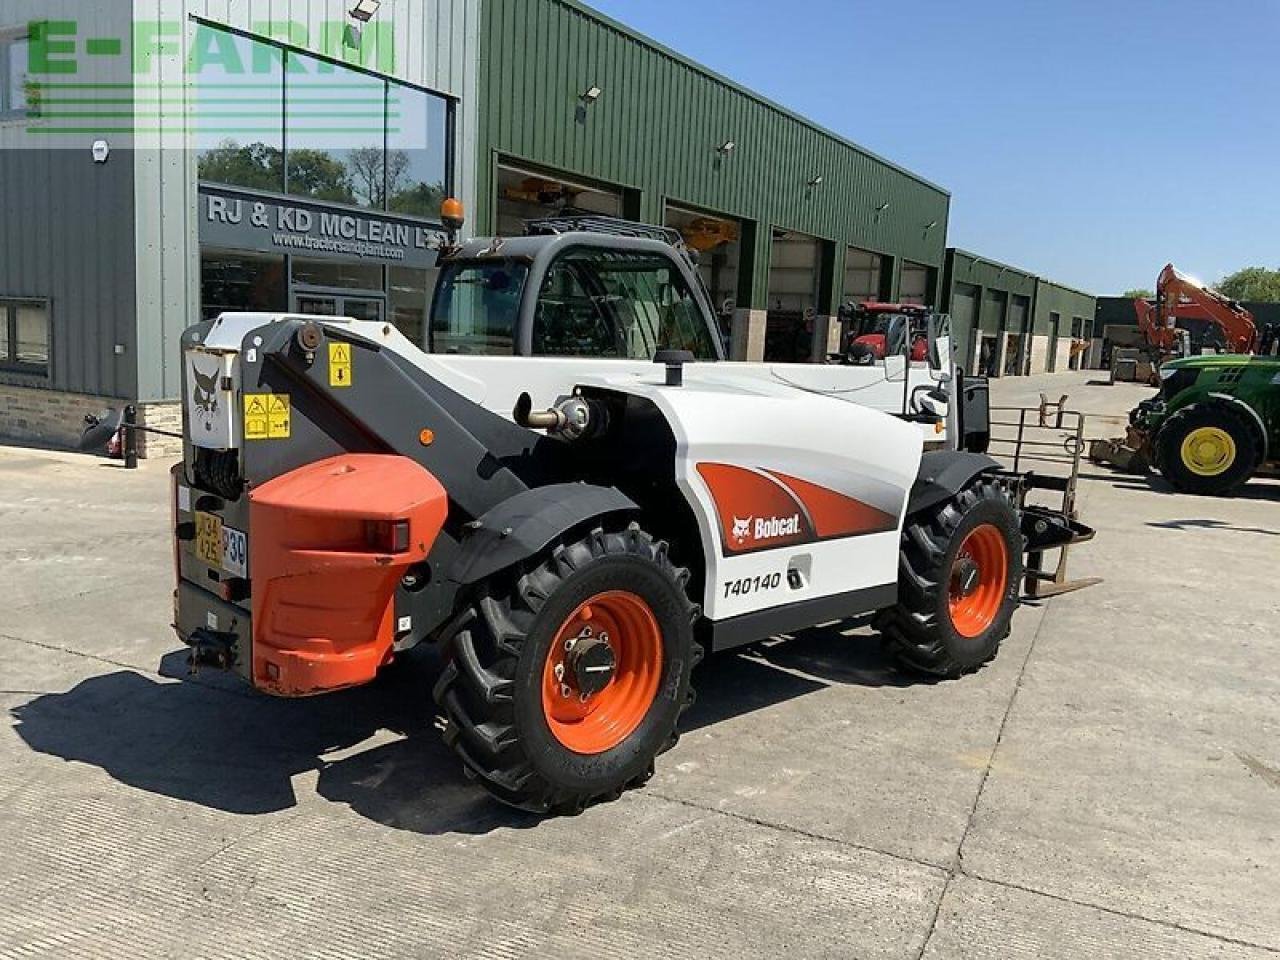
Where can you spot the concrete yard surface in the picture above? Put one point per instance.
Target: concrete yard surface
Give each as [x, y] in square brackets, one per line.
[1109, 787]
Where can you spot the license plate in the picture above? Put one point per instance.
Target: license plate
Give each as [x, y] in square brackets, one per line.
[221, 546]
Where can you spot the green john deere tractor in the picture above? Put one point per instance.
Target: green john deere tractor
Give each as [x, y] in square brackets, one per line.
[1214, 424]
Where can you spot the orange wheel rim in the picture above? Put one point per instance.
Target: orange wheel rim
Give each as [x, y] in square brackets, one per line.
[979, 576]
[602, 672]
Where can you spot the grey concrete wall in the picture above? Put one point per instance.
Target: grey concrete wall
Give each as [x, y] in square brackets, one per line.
[66, 223]
[1039, 354]
[66, 236]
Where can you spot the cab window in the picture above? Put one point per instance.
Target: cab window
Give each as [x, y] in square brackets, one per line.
[476, 307]
[601, 303]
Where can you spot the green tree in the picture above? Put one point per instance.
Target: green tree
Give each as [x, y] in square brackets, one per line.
[419, 200]
[256, 165]
[1252, 283]
[1138, 293]
[317, 174]
[374, 173]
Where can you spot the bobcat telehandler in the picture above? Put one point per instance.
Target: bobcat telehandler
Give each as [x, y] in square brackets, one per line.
[575, 496]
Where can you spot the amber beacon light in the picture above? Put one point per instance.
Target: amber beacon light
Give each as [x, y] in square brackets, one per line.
[452, 214]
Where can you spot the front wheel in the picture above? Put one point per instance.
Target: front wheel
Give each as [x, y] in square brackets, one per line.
[565, 683]
[960, 573]
[1209, 449]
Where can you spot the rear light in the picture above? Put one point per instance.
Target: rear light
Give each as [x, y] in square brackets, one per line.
[387, 536]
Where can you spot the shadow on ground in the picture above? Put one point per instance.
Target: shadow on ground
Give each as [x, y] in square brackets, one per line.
[1191, 525]
[212, 741]
[1258, 489]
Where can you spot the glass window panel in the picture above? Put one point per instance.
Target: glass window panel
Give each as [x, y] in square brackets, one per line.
[32, 345]
[5, 355]
[335, 122]
[359, 308]
[231, 282]
[239, 110]
[476, 308]
[417, 151]
[408, 294]
[17, 79]
[337, 274]
[597, 303]
[569, 321]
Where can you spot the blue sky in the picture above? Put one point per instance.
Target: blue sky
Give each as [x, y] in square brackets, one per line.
[1088, 141]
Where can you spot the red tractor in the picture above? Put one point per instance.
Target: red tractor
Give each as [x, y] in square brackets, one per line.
[873, 331]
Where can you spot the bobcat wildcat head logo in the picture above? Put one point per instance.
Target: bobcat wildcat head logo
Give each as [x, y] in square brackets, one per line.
[741, 530]
[204, 395]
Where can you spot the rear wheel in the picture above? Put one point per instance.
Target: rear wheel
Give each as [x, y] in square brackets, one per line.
[961, 570]
[563, 685]
[1209, 448]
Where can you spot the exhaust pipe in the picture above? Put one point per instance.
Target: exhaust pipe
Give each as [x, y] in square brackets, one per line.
[574, 419]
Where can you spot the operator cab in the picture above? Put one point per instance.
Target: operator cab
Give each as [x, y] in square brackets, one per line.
[568, 291]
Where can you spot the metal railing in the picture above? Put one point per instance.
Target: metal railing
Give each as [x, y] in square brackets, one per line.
[1042, 447]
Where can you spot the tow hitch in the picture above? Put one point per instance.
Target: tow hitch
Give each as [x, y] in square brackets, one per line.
[211, 649]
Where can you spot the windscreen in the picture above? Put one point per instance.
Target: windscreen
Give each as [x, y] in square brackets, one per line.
[476, 308]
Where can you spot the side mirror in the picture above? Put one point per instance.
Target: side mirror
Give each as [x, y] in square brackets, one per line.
[895, 367]
[100, 428]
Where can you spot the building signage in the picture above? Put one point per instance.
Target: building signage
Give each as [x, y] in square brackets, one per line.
[240, 221]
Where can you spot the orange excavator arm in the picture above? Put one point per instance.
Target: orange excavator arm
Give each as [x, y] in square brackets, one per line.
[1177, 295]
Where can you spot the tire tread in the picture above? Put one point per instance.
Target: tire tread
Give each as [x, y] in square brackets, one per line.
[474, 691]
[911, 630]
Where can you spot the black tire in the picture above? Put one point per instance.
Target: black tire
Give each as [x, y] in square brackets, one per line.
[1235, 423]
[920, 631]
[491, 687]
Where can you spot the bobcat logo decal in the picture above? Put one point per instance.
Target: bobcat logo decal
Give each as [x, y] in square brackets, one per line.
[204, 395]
[741, 530]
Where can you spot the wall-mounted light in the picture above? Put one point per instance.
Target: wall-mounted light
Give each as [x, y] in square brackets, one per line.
[591, 95]
[365, 10]
[930, 225]
[817, 181]
[882, 208]
[726, 148]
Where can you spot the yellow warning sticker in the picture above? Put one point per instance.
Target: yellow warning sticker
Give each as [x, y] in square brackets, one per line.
[279, 416]
[339, 365]
[256, 419]
[267, 416]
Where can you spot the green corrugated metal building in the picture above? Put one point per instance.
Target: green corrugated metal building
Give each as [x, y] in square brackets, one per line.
[579, 112]
[1009, 322]
[991, 306]
[1063, 316]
